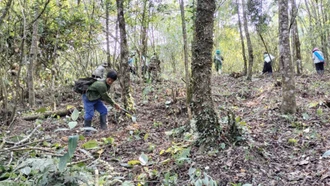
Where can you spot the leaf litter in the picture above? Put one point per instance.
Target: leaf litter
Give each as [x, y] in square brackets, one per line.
[278, 149]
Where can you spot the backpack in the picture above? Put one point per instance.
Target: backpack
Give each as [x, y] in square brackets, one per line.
[319, 56]
[82, 84]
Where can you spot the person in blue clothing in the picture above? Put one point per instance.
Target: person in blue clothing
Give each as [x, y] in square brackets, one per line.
[318, 59]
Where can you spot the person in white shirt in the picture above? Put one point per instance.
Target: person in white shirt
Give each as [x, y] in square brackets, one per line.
[318, 59]
[268, 58]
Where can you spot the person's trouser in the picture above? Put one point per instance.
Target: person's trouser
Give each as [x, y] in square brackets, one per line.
[91, 106]
[319, 68]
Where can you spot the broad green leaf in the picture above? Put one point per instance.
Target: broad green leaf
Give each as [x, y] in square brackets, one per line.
[42, 110]
[313, 104]
[133, 119]
[319, 111]
[91, 144]
[326, 154]
[26, 170]
[72, 124]
[63, 160]
[199, 182]
[133, 162]
[69, 106]
[143, 159]
[168, 133]
[222, 146]
[127, 183]
[305, 116]
[75, 114]
[73, 141]
[108, 140]
[145, 137]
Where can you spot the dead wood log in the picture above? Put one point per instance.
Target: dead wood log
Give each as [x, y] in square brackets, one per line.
[53, 114]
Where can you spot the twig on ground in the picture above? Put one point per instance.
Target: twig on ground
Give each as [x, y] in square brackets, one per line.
[33, 148]
[96, 177]
[11, 158]
[77, 162]
[25, 139]
[15, 147]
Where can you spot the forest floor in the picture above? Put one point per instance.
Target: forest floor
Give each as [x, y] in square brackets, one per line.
[274, 149]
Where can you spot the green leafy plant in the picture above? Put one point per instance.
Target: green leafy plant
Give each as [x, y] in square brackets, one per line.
[170, 179]
[199, 178]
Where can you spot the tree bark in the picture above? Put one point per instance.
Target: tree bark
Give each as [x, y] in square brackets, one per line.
[288, 91]
[249, 44]
[144, 39]
[202, 103]
[125, 73]
[56, 113]
[295, 38]
[242, 39]
[186, 63]
[107, 9]
[33, 60]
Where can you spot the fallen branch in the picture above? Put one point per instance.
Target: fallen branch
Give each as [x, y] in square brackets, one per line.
[25, 139]
[56, 113]
[34, 148]
[77, 162]
[15, 147]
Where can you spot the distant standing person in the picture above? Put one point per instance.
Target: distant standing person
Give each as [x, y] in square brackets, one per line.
[218, 59]
[268, 58]
[100, 71]
[318, 59]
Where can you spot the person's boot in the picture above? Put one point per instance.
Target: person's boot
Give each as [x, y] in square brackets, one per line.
[87, 123]
[103, 122]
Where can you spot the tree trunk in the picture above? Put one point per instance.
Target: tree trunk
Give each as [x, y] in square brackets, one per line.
[125, 73]
[311, 30]
[288, 91]
[107, 9]
[115, 47]
[249, 44]
[242, 39]
[322, 24]
[295, 38]
[144, 28]
[202, 103]
[33, 60]
[186, 63]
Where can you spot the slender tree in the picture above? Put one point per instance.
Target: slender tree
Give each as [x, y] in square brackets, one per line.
[107, 9]
[33, 58]
[242, 38]
[144, 36]
[249, 44]
[185, 52]
[288, 91]
[295, 37]
[125, 74]
[202, 103]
